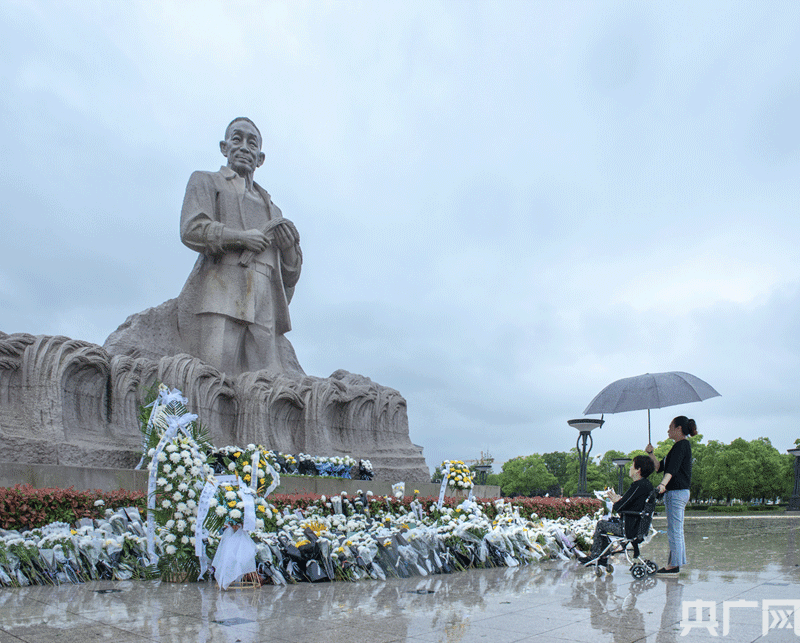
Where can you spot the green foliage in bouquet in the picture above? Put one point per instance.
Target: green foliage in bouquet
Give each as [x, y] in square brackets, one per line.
[152, 431]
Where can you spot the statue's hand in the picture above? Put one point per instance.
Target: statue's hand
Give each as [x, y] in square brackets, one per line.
[286, 235]
[254, 240]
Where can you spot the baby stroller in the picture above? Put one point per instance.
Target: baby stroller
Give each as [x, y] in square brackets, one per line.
[629, 543]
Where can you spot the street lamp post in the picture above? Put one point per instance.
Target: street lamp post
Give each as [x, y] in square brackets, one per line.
[621, 463]
[794, 501]
[584, 446]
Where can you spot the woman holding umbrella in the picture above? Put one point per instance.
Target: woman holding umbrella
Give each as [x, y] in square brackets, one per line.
[677, 468]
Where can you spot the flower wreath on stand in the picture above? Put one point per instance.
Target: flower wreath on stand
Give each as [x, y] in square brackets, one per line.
[227, 506]
[459, 475]
[234, 505]
[245, 464]
[176, 460]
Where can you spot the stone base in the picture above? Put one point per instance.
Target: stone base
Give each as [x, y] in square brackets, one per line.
[43, 476]
[69, 402]
[106, 479]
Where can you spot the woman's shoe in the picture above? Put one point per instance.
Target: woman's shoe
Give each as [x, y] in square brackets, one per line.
[664, 570]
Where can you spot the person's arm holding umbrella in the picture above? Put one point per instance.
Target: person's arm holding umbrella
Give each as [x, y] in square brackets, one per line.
[658, 464]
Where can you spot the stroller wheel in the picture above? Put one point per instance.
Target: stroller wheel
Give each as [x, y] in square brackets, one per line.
[652, 568]
[598, 571]
[610, 568]
[638, 571]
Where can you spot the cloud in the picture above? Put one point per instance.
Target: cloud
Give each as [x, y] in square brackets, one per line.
[502, 208]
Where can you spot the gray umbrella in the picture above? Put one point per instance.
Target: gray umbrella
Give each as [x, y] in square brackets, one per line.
[650, 391]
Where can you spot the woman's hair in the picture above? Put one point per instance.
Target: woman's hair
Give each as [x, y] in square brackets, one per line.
[644, 464]
[688, 426]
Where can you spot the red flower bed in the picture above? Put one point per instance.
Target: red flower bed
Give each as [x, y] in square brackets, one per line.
[552, 508]
[572, 508]
[23, 507]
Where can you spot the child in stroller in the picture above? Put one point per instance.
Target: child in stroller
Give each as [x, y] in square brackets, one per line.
[635, 509]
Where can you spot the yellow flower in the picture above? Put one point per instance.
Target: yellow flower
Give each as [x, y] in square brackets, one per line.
[302, 542]
[237, 454]
[247, 477]
[316, 527]
[232, 503]
[262, 508]
[73, 531]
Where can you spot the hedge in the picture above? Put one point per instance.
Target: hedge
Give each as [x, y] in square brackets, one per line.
[24, 507]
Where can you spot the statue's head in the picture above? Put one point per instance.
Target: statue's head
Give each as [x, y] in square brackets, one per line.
[242, 146]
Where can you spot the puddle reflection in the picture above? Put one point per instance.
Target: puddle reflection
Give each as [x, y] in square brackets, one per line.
[622, 610]
[615, 606]
[737, 544]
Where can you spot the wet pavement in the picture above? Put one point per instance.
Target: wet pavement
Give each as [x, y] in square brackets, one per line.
[742, 571]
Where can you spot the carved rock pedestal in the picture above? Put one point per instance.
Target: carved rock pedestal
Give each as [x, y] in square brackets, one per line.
[70, 402]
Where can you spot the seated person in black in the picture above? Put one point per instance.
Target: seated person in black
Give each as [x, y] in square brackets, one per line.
[633, 500]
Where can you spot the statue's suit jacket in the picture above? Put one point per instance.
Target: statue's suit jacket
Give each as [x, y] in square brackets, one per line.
[218, 284]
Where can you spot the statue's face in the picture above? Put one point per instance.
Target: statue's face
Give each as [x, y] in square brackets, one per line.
[242, 148]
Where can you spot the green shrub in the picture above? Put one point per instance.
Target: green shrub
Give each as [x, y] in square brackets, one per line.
[735, 509]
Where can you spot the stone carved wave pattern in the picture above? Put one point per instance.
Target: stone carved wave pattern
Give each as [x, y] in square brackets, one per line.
[69, 402]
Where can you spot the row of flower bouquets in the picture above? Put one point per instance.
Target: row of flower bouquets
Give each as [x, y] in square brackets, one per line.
[307, 466]
[116, 549]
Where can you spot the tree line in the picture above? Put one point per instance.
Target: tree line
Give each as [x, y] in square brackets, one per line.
[753, 471]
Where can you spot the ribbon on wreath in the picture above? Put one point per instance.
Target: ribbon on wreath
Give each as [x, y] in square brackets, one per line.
[268, 469]
[203, 505]
[165, 396]
[445, 478]
[276, 479]
[248, 497]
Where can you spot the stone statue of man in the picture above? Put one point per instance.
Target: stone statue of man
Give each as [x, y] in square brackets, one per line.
[234, 309]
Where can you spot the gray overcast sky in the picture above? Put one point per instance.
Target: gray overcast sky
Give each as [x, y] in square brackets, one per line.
[503, 206]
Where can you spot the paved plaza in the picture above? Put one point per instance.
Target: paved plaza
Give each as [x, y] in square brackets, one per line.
[744, 575]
